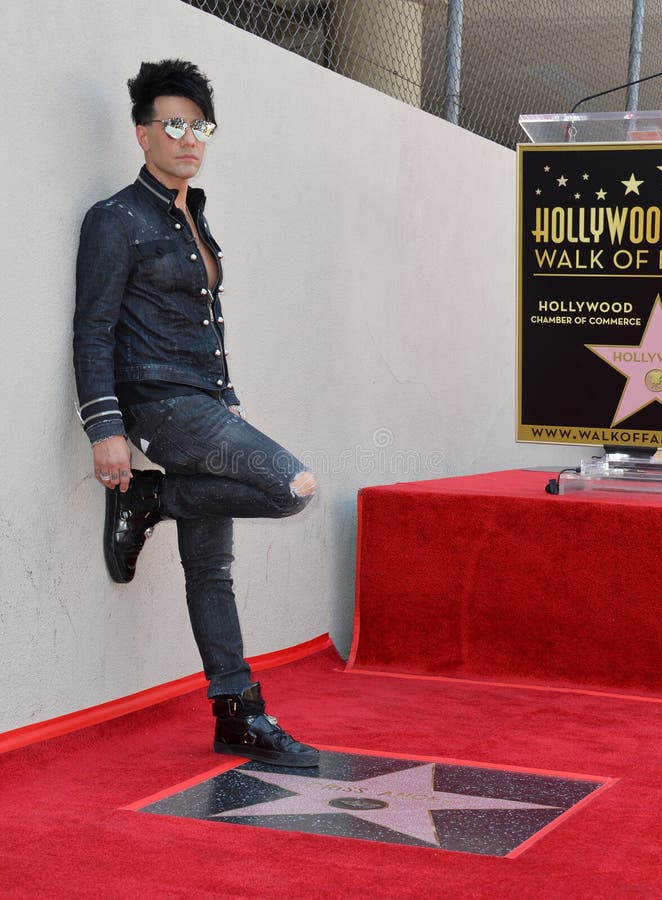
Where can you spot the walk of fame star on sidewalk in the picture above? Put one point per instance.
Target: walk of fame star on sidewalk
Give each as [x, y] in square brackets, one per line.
[394, 800]
[401, 803]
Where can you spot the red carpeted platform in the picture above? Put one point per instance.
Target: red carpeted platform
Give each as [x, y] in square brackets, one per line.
[488, 576]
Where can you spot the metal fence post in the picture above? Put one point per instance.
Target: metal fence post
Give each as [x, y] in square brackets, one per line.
[453, 61]
[634, 61]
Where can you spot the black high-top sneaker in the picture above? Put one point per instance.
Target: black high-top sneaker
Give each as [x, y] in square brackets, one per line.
[243, 729]
[129, 520]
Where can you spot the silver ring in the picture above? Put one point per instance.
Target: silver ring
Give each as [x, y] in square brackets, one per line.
[105, 476]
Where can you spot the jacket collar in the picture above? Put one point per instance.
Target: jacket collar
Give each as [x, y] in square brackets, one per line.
[165, 196]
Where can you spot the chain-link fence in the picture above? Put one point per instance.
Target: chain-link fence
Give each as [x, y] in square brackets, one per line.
[479, 63]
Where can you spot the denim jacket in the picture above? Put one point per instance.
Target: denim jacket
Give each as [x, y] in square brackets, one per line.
[143, 308]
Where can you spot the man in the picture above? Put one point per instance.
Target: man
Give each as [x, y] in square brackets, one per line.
[150, 361]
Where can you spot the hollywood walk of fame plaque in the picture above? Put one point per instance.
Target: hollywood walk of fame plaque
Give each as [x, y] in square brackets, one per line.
[590, 294]
[413, 802]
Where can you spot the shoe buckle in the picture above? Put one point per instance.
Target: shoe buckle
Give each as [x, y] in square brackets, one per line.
[249, 738]
[148, 532]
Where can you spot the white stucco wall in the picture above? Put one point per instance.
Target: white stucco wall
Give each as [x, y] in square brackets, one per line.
[370, 297]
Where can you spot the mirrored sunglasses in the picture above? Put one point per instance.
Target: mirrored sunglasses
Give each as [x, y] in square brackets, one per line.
[176, 128]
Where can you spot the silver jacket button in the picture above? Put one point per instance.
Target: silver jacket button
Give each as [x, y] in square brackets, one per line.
[177, 226]
[204, 292]
[193, 257]
[220, 254]
[217, 352]
[220, 319]
[220, 290]
[220, 382]
[230, 385]
[205, 321]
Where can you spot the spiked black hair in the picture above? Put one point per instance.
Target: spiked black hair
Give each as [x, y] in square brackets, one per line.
[169, 78]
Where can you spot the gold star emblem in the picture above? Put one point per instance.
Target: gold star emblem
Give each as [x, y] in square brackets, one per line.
[538, 192]
[562, 181]
[632, 185]
[546, 169]
[601, 194]
[578, 196]
[585, 176]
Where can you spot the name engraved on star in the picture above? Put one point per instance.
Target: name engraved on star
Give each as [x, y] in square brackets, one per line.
[342, 787]
[401, 795]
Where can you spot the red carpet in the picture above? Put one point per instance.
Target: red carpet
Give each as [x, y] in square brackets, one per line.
[488, 576]
[64, 833]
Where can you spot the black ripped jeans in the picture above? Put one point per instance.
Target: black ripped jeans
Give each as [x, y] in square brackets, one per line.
[218, 467]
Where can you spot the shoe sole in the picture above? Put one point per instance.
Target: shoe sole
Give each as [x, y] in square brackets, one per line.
[114, 569]
[298, 760]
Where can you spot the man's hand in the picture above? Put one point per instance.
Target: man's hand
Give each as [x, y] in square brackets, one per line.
[112, 462]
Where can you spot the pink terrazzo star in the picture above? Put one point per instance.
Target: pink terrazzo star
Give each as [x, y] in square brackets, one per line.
[401, 801]
[641, 365]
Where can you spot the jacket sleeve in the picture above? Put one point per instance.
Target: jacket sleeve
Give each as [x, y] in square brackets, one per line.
[102, 270]
[230, 397]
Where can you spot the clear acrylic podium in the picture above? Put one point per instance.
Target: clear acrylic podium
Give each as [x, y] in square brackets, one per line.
[635, 472]
[591, 128]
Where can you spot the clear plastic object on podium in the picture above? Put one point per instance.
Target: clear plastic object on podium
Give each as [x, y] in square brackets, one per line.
[585, 128]
[614, 472]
